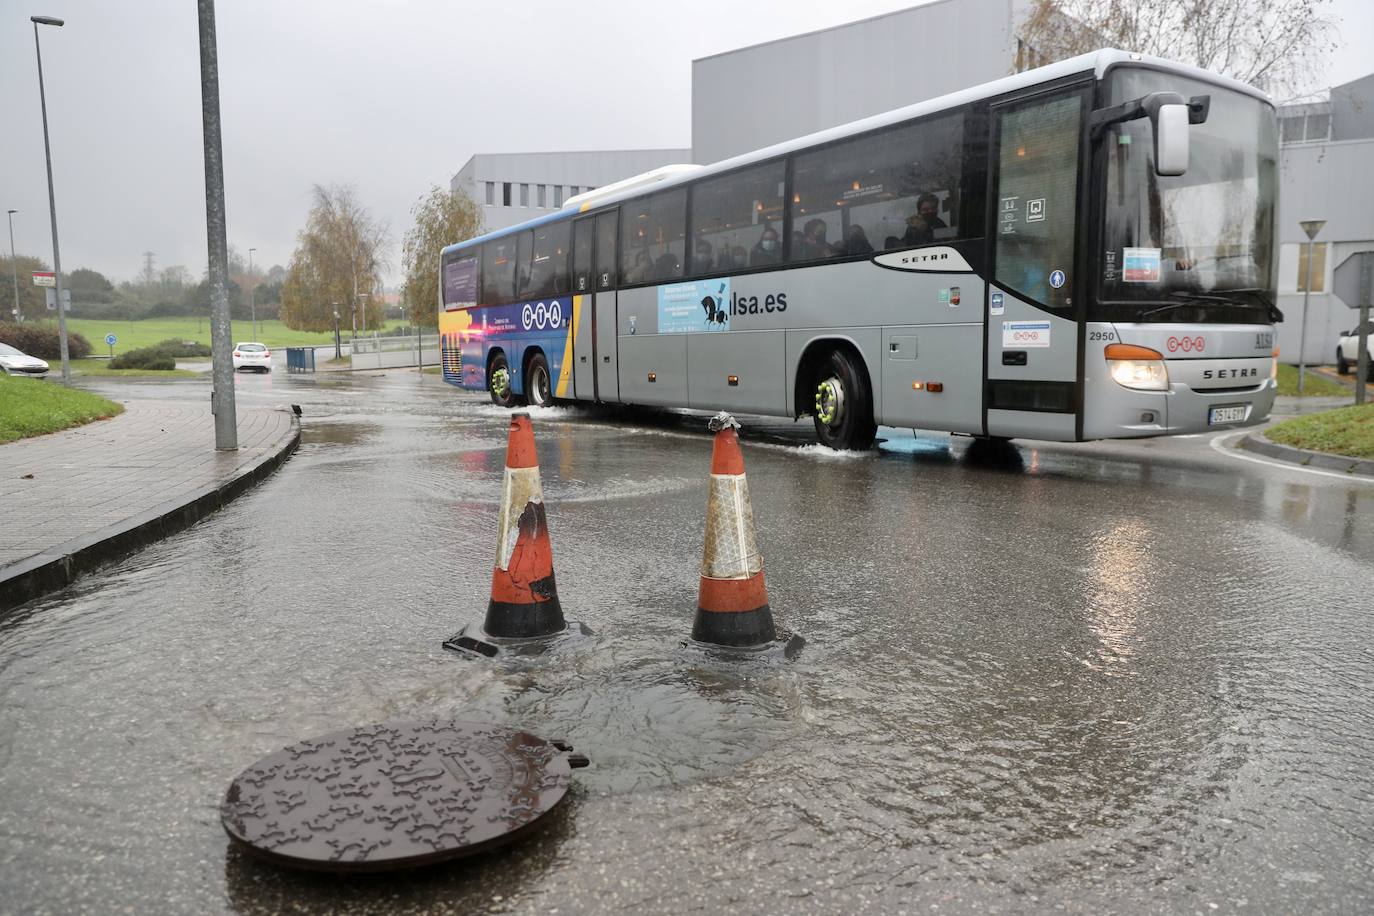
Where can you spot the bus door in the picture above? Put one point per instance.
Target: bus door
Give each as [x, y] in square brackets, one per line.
[1035, 298]
[584, 341]
[606, 354]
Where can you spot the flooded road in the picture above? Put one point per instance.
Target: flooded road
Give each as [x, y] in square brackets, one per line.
[1109, 677]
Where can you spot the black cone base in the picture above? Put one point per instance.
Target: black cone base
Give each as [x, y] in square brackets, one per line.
[475, 642]
[785, 646]
[525, 621]
[736, 629]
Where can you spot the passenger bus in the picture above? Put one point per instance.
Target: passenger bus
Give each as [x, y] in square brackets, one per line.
[1082, 251]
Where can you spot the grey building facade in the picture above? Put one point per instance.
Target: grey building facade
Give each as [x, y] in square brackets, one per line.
[752, 97]
[1326, 172]
[514, 187]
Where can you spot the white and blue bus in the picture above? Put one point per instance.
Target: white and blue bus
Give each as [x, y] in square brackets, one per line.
[1082, 251]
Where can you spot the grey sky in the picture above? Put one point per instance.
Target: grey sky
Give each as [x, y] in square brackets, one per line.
[390, 96]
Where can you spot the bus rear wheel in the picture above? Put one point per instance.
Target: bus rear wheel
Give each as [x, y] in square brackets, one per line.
[537, 382]
[843, 405]
[498, 382]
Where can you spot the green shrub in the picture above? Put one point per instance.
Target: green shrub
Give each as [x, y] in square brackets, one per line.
[181, 348]
[144, 358]
[41, 340]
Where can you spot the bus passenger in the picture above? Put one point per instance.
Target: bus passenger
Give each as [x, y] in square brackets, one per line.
[921, 225]
[639, 267]
[767, 250]
[814, 244]
[856, 241]
[701, 259]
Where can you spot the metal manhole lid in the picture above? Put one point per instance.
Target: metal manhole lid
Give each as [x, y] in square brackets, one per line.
[396, 795]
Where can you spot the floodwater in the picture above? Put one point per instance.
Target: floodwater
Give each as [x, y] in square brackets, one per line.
[1115, 677]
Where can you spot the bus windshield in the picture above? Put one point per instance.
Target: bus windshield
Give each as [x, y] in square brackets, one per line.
[1199, 246]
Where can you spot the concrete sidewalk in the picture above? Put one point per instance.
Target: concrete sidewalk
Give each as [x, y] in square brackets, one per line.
[75, 499]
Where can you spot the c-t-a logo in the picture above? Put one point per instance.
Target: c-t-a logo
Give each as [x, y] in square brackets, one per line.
[542, 316]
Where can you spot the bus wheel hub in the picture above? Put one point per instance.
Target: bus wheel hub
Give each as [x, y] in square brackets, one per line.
[500, 382]
[829, 401]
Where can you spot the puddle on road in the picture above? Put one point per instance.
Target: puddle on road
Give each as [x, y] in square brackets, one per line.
[1020, 690]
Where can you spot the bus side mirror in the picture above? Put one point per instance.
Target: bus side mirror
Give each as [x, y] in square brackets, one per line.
[1169, 116]
[1171, 140]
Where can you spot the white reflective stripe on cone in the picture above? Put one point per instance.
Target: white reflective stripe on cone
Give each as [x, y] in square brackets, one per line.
[519, 488]
[731, 551]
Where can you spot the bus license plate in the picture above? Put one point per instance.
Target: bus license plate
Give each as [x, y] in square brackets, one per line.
[1225, 415]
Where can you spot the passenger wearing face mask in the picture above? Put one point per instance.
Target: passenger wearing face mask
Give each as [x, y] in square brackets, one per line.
[767, 250]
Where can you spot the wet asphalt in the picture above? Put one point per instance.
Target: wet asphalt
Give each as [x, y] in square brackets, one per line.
[1113, 677]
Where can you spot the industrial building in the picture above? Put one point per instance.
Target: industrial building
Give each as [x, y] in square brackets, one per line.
[1327, 149]
[514, 187]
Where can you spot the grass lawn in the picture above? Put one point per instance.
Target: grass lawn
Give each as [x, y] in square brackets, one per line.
[1345, 431]
[1315, 386]
[32, 407]
[101, 367]
[149, 331]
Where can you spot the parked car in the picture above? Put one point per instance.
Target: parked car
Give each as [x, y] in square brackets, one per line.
[251, 355]
[17, 362]
[1348, 350]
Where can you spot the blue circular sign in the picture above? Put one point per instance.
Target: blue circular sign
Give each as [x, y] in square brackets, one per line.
[111, 339]
[1056, 278]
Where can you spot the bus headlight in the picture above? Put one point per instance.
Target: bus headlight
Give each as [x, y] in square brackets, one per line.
[1137, 367]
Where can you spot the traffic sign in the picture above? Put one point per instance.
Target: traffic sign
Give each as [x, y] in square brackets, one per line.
[1353, 280]
[111, 339]
[44, 278]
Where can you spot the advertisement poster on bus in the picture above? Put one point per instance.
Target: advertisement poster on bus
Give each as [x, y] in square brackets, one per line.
[693, 307]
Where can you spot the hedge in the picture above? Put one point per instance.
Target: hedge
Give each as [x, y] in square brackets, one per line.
[41, 340]
[144, 358]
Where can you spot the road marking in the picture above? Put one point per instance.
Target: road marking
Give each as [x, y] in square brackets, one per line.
[1216, 443]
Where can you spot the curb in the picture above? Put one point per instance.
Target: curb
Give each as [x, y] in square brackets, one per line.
[62, 564]
[1363, 467]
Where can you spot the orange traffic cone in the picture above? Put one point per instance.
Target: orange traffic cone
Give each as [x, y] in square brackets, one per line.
[732, 604]
[524, 611]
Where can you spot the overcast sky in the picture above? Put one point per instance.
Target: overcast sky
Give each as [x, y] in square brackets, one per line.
[390, 96]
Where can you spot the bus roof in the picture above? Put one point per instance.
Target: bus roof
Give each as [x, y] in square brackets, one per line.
[1098, 62]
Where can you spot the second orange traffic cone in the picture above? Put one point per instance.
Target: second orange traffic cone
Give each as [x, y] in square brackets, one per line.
[524, 611]
[732, 603]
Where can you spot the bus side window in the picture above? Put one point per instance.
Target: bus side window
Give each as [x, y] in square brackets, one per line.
[582, 256]
[498, 271]
[897, 188]
[653, 238]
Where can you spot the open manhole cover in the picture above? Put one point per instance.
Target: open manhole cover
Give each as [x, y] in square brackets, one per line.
[396, 795]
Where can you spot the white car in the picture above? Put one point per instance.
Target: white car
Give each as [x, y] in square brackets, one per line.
[17, 362]
[252, 356]
[1348, 350]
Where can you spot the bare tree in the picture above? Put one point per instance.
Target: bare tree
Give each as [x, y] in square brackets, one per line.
[337, 262]
[1277, 45]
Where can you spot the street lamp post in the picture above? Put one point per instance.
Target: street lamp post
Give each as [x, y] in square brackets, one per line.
[52, 198]
[1311, 227]
[252, 285]
[338, 351]
[14, 264]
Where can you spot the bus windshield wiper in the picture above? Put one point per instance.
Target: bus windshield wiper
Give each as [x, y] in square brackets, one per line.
[1190, 298]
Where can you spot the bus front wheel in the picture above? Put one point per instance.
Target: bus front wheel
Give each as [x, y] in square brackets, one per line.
[843, 405]
[498, 382]
[537, 382]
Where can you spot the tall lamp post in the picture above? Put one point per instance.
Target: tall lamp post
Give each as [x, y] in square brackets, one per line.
[1311, 227]
[338, 352]
[14, 264]
[252, 285]
[52, 198]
